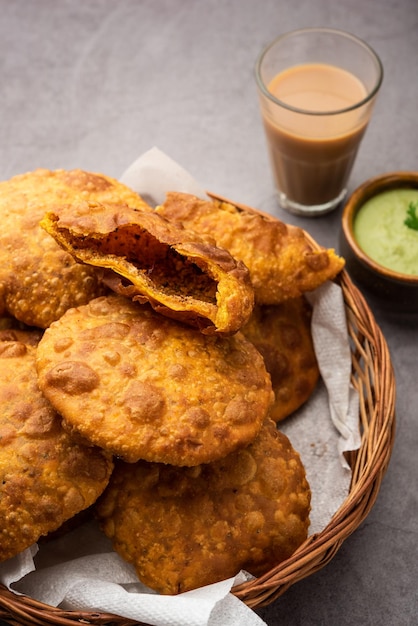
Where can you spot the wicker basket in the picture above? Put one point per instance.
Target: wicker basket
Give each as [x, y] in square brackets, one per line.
[373, 377]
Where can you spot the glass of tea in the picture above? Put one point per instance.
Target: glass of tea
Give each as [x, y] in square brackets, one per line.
[317, 88]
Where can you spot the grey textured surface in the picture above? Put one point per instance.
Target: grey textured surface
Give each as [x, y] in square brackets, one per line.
[94, 84]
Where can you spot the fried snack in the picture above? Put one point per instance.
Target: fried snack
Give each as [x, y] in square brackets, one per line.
[184, 528]
[38, 279]
[144, 386]
[282, 334]
[45, 477]
[152, 260]
[31, 336]
[282, 262]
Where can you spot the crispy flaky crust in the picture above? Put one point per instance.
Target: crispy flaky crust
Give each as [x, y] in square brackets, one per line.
[282, 262]
[150, 259]
[282, 334]
[184, 528]
[38, 279]
[45, 477]
[144, 386]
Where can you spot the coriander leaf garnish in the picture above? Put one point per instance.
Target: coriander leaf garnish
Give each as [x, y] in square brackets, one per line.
[412, 218]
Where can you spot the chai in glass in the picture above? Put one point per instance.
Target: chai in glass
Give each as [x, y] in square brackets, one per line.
[315, 114]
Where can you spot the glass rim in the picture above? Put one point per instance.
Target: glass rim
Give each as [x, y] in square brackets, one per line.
[332, 31]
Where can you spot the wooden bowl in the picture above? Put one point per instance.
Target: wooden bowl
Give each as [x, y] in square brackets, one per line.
[396, 290]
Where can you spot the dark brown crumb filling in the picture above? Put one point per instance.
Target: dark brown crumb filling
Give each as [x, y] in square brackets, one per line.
[169, 271]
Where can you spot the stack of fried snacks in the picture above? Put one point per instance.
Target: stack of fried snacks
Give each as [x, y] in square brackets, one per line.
[164, 347]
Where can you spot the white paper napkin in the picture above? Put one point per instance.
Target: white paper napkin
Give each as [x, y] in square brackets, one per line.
[154, 173]
[330, 337]
[98, 580]
[104, 582]
[16, 568]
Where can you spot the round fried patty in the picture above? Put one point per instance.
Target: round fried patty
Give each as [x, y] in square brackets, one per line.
[282, 334]
[45, 477]
[183, 528]
[144, 386]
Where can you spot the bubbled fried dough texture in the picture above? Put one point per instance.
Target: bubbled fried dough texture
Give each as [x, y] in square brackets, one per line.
[282, 335]
[45, 477]
[281, 261]
[144, 386]
[184, 528]
[38, 279]
[150, 259]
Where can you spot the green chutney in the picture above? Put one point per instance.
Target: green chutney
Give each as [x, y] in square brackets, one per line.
[381, 233]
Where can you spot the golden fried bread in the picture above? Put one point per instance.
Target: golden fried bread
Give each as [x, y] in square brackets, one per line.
[282, 334]
[38, 279]
[144, 386]
[45, 477]
[282, 262]
[183, 528]
[31, 336]
[152, 260]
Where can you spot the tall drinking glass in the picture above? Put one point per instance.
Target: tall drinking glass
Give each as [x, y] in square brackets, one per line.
[317, 88]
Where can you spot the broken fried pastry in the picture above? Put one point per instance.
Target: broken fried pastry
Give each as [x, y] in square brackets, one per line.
[152, 260]
[38, 279]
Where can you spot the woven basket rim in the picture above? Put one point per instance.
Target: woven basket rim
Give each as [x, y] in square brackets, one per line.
[373, 377]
